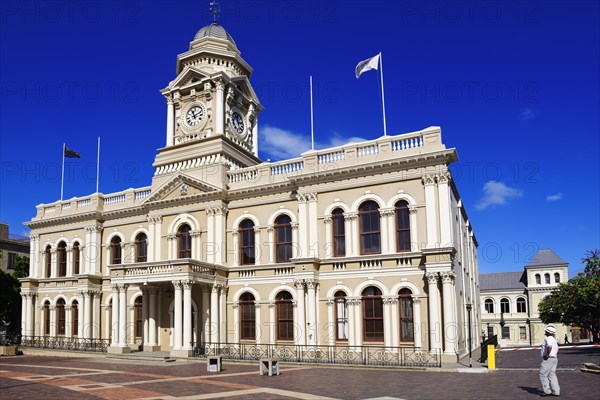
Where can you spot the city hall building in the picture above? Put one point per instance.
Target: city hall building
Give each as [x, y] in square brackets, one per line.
[359, 247]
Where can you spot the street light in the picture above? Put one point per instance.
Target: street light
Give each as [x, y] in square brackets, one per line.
[470, 347]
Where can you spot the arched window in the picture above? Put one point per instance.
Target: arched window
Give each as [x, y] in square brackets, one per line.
[402, 226]
[247, 243]
[341, 315]
[141, 247]
[339, 232]
[74, 318]
[115, 250]
[184, 241]
[285, 316]
[547, 278]
[538, 279]
[47, 318]
[521, 305]
[48, 260]
[283, 238]
[76, 258]
[248, 312]
[372, 314]
[370, 235]
[139, 321]
[61, 257]
[60, 317]
[407, 333]
[504, 305]
[556, 277]
[489, 306]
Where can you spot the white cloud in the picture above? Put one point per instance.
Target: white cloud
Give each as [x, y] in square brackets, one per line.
[527, 114]
[496, 193]
[280, 144]
[555, 197]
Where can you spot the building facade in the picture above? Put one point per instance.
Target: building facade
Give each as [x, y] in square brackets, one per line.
[509, 300]
[366, 244]
[11, 247]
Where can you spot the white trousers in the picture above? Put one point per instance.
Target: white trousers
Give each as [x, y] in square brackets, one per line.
[548, 376]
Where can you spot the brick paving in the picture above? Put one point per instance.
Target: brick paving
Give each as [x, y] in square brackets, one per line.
[37, 377]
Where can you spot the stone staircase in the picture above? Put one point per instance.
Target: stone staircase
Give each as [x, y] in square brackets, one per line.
[160, 356]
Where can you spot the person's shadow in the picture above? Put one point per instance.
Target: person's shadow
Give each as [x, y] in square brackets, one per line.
[532, 390]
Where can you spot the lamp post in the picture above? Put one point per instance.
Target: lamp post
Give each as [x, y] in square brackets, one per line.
[470, 347]
[528, 321]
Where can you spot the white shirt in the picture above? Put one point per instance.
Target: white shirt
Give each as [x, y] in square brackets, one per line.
[549, 341]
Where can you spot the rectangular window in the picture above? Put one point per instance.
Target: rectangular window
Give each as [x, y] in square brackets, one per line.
[342, 319]
[522, 333]
[339, 235]
[12, 260]
[505, 332]
[490, 331]
[373, 319]
[285, 320]
[248, 320]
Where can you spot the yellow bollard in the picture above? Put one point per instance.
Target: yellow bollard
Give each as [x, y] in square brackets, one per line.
[491, 357]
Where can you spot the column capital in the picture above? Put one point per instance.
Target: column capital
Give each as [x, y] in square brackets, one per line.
[95, 228]
[270, 228]
[299, 284]
[235, 232]
[330, 301]
[432, 277]
[294, 225]
[428, 179]
[416, 300]
[153, 218]
[412, 209]
[271, 304]
[327, 219]
[123, 287]
[351, 216]
[115, 287]
[311, 283]
[444, 177]
[235, 305]
[384, 212]
[177, 285]
[448, 277]
[301, 197]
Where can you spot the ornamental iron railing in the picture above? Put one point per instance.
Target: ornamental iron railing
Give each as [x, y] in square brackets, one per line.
[65, 343]
[341, 355]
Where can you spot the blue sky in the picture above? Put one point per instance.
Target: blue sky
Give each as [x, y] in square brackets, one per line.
[514, 86]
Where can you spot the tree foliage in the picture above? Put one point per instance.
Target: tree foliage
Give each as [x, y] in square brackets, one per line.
[10, 297]
[577, 301]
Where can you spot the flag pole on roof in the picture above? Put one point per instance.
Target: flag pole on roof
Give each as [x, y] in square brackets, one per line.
[312, 130]
[375, 62]
[68, 153]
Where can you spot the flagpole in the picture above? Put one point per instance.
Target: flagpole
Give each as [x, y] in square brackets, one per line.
[62, 174]
[382, 95]
[312, 130]
[98, 166]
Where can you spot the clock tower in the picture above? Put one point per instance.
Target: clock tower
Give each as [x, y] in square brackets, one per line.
[212, 112]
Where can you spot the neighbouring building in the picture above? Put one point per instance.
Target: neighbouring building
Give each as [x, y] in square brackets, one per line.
[362, 246]
[11, 246]
[509, 300]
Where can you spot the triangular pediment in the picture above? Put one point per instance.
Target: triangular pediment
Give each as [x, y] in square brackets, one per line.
[179, 187]
[243, 84]
[188, 76]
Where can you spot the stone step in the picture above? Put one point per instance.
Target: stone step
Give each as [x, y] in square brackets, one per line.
[141, 357]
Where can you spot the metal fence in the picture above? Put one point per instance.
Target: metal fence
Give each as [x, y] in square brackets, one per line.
[65, 343]
[342, 355]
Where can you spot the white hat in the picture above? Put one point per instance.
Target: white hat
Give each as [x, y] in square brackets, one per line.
[550, 329]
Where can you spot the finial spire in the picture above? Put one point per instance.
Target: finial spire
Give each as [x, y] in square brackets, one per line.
[214, 9]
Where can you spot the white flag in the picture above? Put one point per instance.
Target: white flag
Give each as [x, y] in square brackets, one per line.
[367, 65]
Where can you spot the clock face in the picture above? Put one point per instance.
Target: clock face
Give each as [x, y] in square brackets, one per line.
[237, 122]
[194, 116]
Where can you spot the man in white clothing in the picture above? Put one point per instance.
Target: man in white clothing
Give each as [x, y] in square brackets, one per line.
[549, 362]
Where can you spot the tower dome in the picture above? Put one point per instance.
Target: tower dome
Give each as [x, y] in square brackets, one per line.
[216, 31]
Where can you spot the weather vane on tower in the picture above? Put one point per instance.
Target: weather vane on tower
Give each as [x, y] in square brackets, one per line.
[215, 9]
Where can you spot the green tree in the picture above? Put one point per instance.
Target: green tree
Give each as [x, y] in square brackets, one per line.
[577, 301]
[10, 297]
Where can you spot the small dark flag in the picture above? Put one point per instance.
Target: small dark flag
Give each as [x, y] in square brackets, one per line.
[71, 154]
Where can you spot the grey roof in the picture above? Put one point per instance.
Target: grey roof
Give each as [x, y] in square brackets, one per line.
[545, 257]
[503, 280]
[214, 30]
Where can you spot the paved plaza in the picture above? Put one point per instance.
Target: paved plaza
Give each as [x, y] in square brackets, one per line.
[37, 377]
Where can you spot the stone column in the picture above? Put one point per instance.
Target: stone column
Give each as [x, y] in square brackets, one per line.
[69, 260]
[444, 208]
[395, 322]
[329, 242]
[86, 304]
[30, 305]
[214, 314]
[301, 338]
[387, 321]
[115, 316]
[206, 314]
[34, 251]
[358, 323]
[95, 304]
[331, 321]
[257, 246]
[152, 317]
[220, 112]
[311, 313]
[354, 234]
[272, 322]
[196, 244]
[223, 314]
[53, 324]
[170, 121]
[145, 316]
[177, 310]
[236, 256]
[210, 235]
[53, 266]
[295, 240]
[302, 241]
[387, 235]
[312, 226]
[220, 234]
[187, 315]
[236, 322]
[123, 315]
[95, 234]
[430, 211]
[24, 313]
[450, 330]
[434, 312]
[417, 321]
[255, 137]
[414, 238]
[271, 233]
[107, 325]
[351, 323]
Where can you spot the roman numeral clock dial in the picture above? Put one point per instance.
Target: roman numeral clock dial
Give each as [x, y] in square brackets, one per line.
[194, 116]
